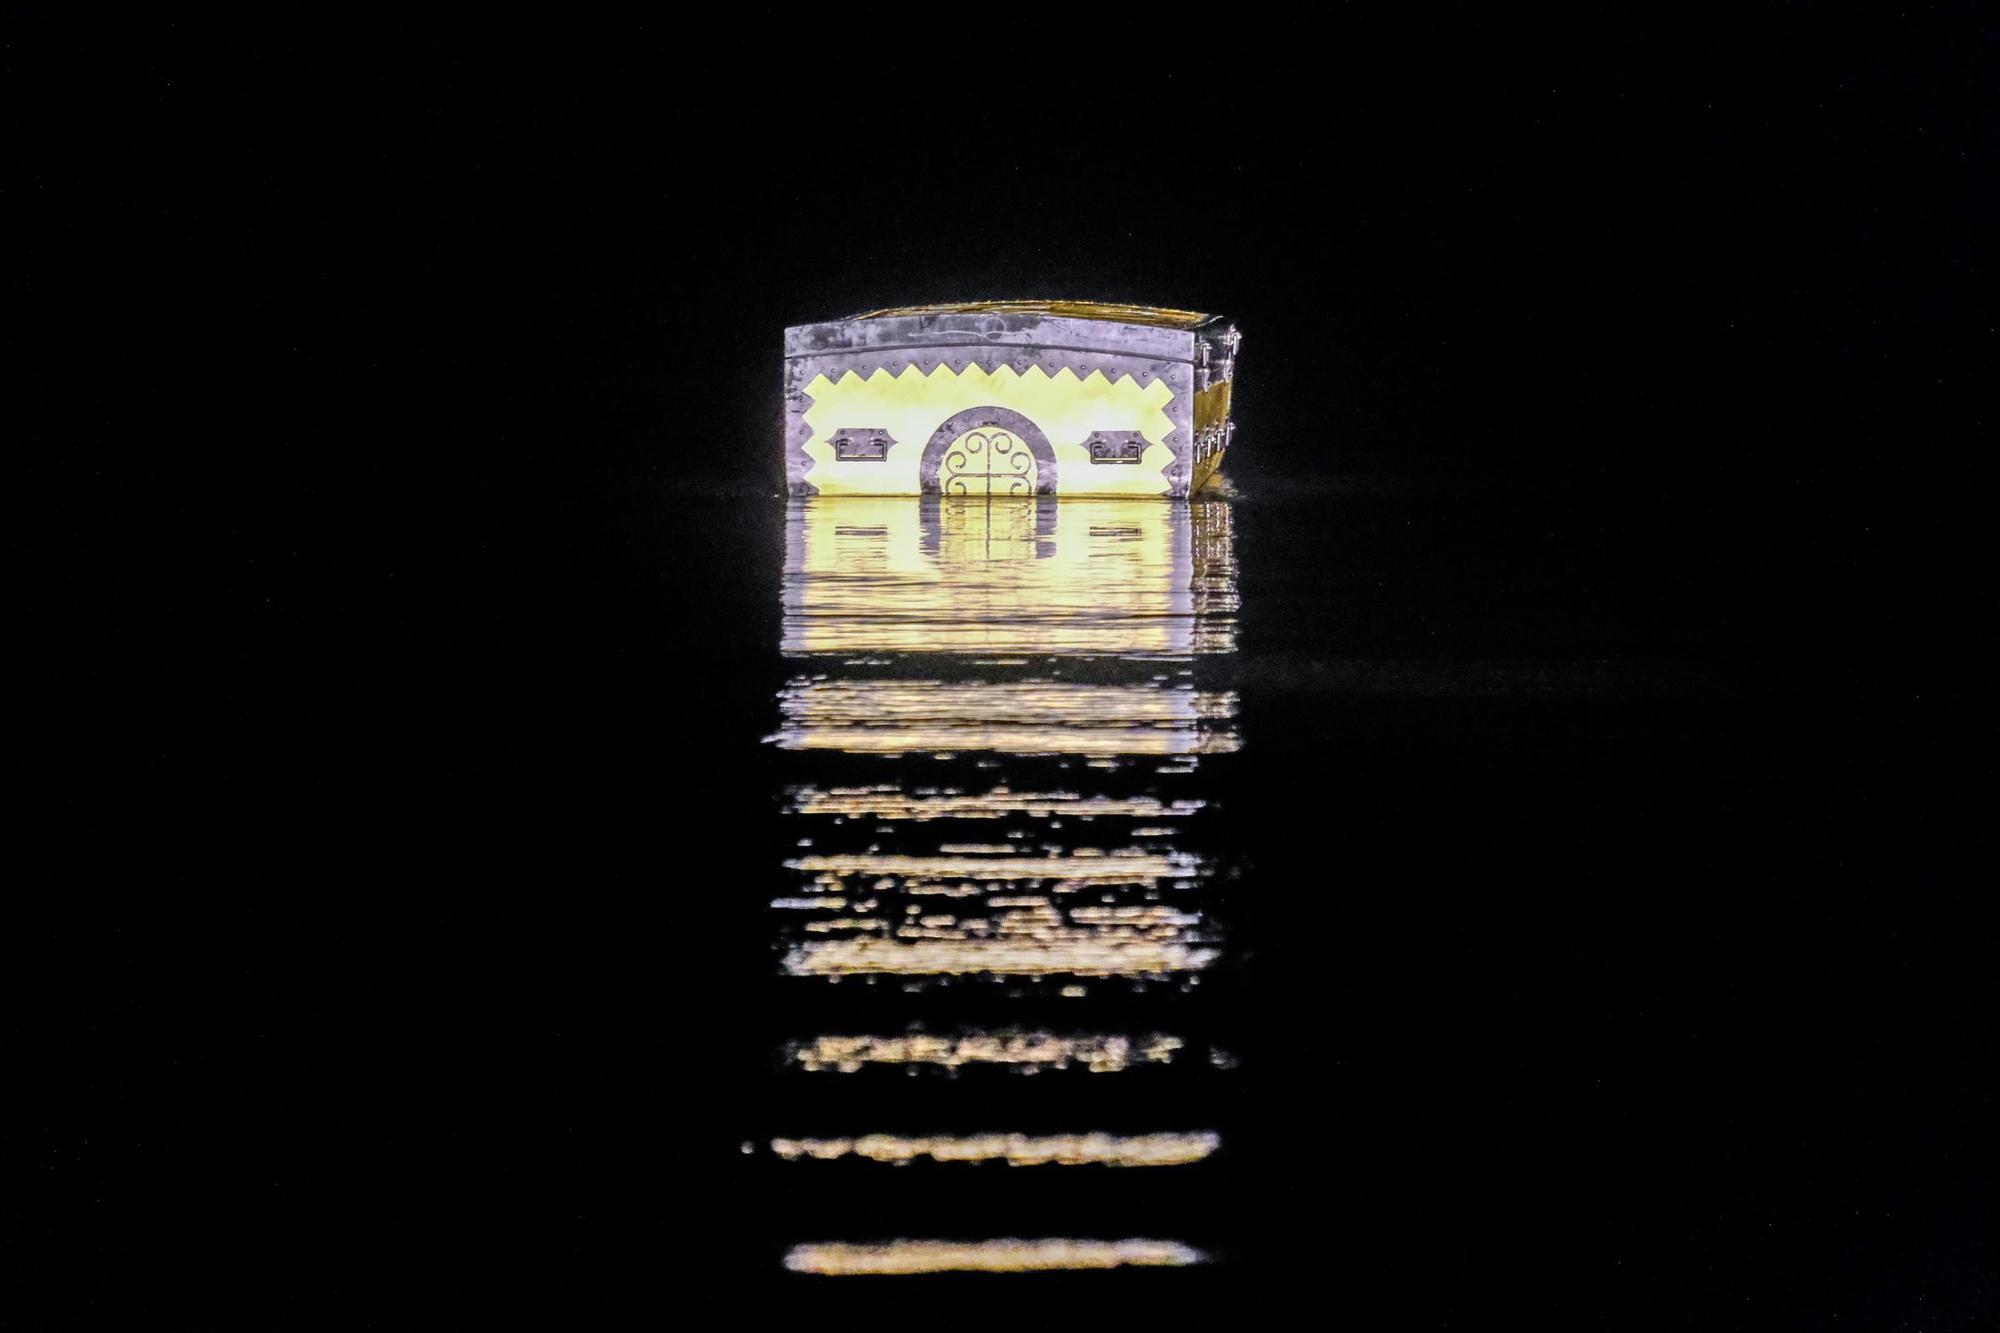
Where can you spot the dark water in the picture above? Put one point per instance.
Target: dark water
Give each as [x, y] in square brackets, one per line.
[1377, 896]
[1413, 900]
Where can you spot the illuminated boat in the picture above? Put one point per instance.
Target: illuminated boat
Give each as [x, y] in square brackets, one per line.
[1000, 398]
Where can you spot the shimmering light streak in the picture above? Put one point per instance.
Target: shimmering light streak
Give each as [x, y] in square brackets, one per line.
[1013, 1149]
[1082, 957]
[887, 802]
[898, 1257]
[1101, 1053]
[933, 645]
[1024, 577]
[1027, 717]
[1083, 865]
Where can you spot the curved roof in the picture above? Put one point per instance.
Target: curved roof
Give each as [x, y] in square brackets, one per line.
[1108, 311]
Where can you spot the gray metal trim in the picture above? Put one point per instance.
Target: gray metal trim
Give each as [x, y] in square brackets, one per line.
[985, 330]
[1115, 446]
[972, 419]
[863, 444]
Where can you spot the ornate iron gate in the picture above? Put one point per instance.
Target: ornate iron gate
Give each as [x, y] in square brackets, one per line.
[989, 461]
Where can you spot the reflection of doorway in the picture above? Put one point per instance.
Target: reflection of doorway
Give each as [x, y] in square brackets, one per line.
[958, 529]
[990, 527]
[988, 453]
[989, 461]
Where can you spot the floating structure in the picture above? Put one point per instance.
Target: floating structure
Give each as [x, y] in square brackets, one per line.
[1009, 398]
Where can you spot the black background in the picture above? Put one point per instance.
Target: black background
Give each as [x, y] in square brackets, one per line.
[398, 406]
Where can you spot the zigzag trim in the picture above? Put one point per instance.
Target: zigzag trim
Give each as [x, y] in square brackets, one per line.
[798, 433]
[1142, 377]
[797, 375]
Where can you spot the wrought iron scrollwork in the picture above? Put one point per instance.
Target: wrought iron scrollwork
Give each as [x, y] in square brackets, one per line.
[987, 461]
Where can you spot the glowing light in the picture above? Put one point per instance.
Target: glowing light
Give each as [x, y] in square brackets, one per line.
[893, 803]
[1100, 1053]
[1081, 866]
[961, 632]
[1054, 957]
[1013, 1149]
[1009, 717]
[910, 405]
[898, 1257]
[1011, 578]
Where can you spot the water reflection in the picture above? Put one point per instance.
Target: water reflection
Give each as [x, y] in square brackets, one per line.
[994, 1256]
[1011, 716]
[998, 716]
[1013, 1149]
[1033, 578]
[1027, 1051]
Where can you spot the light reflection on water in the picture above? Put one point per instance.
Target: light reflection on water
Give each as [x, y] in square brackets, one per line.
[1013, 1149]
[1034, 578]
[905, 1257]
[998, 736]
[1009, 716]
[1031, 1051]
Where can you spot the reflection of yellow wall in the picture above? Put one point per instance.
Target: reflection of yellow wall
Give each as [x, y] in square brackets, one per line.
[911, 406]
[989, 1256]
[1016, 576]
[1008, 581]
[1014, 717]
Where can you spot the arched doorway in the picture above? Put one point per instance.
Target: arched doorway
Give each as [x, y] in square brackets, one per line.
[988, 453]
